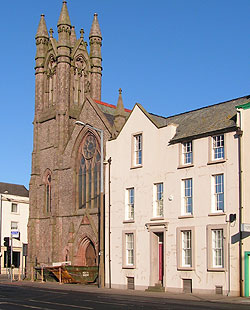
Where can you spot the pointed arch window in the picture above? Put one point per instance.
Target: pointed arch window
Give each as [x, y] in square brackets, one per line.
[50, 81]
[89, 179]
[78, 80]
[48, 193]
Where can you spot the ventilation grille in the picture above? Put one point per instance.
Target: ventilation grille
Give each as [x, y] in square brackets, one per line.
[187, 285]
[131, 283]
[219, 290]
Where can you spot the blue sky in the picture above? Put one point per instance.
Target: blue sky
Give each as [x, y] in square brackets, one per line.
[171, 56]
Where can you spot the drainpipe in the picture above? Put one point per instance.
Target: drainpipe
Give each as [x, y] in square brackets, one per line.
[109, 162]
[1, 206]
[239, 133]
[229, 253]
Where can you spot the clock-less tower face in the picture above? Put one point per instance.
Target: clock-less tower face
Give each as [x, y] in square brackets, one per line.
[89, 147]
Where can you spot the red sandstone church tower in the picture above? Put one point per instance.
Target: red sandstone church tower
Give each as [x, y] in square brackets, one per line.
[65, 198]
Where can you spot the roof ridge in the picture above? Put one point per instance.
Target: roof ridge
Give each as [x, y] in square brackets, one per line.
[158, 115]
[110, 105]
[208, 106]
[105, 103]
[12, 184]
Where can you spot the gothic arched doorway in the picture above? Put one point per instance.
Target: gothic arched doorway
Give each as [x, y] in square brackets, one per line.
[86, 254]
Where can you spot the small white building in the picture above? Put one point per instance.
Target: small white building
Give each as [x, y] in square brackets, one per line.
[174, 209]
[14, 214]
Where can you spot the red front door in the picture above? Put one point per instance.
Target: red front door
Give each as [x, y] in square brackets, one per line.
[160, 261]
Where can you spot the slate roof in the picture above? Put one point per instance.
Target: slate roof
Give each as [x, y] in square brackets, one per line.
[220, 117]
[109, 110]
[14, 189]
[204, 121]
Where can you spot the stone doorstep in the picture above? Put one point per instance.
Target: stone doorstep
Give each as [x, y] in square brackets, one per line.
[156, 288]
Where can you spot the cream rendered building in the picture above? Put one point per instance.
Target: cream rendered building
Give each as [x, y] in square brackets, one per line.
[244, 147]
[172, 201]
[14, 202]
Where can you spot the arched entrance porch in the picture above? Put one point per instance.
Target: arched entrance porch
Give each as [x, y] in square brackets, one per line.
[86, 254]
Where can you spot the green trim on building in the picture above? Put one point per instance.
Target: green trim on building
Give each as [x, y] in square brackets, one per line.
[244, 106]
[246, 260]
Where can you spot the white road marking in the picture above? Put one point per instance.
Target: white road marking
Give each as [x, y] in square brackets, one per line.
[51, 292]
[21, 305]
[105, 302]
[59, 304]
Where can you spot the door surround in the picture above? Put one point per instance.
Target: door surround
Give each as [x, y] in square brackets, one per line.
[247, 270]
[156, 228]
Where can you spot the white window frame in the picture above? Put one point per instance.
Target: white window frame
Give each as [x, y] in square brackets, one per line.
[217, 248]
[130, 258]
[158, 200]
[12, 204]
[217, 253]
[128, 249]
[218, 147]
[130, 204]
[218, 194]
[14, 225]
[137, 150]
[186, 249]
[187, 153]
[187, 196]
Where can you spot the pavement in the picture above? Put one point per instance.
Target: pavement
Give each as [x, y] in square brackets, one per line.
[94, 289]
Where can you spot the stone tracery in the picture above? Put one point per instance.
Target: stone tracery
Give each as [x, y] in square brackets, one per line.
[89, 173]
[79, 74]
[51, 81]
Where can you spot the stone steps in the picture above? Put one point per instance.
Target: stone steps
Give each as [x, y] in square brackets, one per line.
[156, 288]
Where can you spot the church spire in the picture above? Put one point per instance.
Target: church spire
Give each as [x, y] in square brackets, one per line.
[119, 117]
[42, 39]
[73, 38]
[42, 31]
[64, 26]
[64, 16]
[63, 74]
[95, 42]
[120, 107]
[95, 30]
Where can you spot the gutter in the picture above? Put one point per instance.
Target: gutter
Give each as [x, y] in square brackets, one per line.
[203, 135]
[109, 232]
[239, 133]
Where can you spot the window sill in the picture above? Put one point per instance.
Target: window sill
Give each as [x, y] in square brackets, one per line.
[216, 214]
[218, 161]
[219, 269]
[187, 216]
[128, 221]
[128, 267]
[185, 268]
[159, 218]
[135, 167]
[185, 166]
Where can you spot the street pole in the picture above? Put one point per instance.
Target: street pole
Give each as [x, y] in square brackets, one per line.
[101, 241]
[11, 257]
[1, 197]
[22, 261]
[102, 219]
[109, 236]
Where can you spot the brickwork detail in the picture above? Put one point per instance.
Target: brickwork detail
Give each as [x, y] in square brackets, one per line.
[68, 78]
